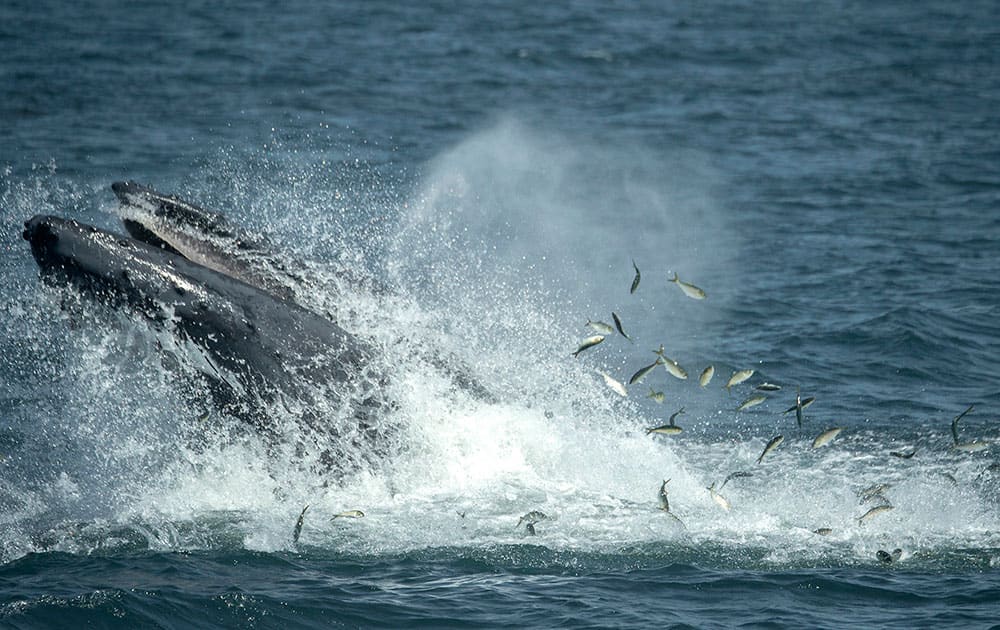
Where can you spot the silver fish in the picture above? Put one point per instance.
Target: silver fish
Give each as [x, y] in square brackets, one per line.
[689, 289]
[664, 501]
[972, 447]
[589, 342]
[532, 517]
[600, 327]
[706, 376]
[298, 525]
[349, 514]
[753, 401]
[738, 377]
[800, 402]
[618, 325]
[672, 366]
[736, 475]
[878, 509]
[826, 436]
[642, 372]
[665, 429]
[768, 387]
[823, 531]
[903, 455]
[530, 528]
[718, 498]
[773, 444]
[876, 490]
[657, 396]
[635, 280]
[613, 384]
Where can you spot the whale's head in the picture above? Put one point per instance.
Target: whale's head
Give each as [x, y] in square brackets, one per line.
[108, 266]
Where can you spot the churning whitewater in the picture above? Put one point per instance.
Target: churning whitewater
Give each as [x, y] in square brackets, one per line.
[143, 459]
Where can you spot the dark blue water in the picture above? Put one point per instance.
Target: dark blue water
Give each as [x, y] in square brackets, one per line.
[827, 172]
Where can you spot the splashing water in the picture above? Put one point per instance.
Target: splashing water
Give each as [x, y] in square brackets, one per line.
[509, 243]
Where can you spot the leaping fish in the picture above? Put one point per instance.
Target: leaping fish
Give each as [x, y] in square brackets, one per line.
[349, 514]
[736, 475]
[706, 376]
[773, 444]
[672, 366]
[718, 498]
[689, 289]
[298, 525]
[656, 396]
[967, 447]
[753, 401]
[600, 327]
[803, 402]
[635, 280]
[878, 509]
[668, 429]
[827, 436]
[642, 372]
[738, 377]
[664, 501]
[613, 384]
[532, 517]
[589, 342]
[768, 387]
[618, 325]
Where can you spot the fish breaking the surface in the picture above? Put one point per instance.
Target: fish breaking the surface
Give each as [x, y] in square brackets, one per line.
[298, 525]
[878, 509]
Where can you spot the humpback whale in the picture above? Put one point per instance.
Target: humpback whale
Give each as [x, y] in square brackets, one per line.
[228, 305]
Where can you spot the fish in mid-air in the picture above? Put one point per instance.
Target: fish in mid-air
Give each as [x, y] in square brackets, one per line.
[587, 343]
[878, 509]
[968, 447]
[826, 436]
[349, 514]
[298, 525]
[642, 372]
[532, 517]
[773, 444]
[768, 387]
[672, 366]
[656, 396]
[738, 377]
[689, 289]
[753, 401]
[735, 475]
[706, 376]
[613, 384]
[668, 429]
[635, 280]
[718, 498]
[618, 325]
[600, 327]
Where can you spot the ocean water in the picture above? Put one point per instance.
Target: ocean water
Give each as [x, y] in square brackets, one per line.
[827, 172]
